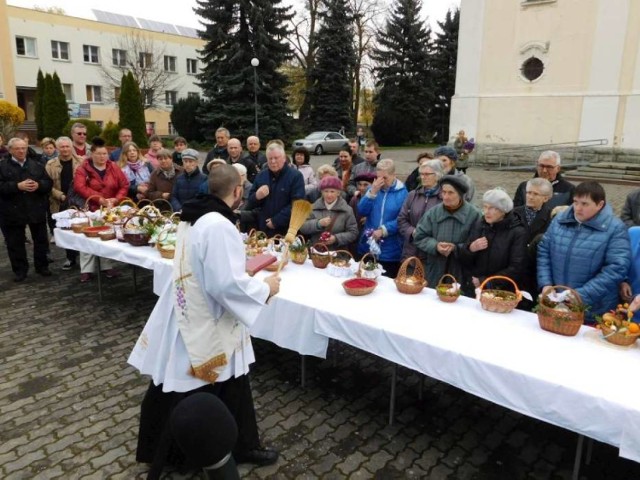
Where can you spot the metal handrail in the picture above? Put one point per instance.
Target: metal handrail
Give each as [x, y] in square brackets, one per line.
[546, 146]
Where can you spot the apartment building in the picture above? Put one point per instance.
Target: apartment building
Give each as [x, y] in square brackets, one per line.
[85, 53]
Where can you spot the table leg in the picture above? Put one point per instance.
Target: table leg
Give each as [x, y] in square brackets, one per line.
[99, 277]
[135, 278]
[578, 458]
[587, 460]
[392, 399]
[303, 368]
[420, 386]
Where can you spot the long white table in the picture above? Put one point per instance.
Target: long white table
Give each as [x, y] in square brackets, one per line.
[580, 383]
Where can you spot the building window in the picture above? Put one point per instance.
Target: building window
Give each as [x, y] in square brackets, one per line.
[67, 88]
[192, 66]
[169, 63]
[26, 47]
[59, 50]
[147, 96]
[172, 131]
[532, 68]
[91, 54]
[94, 93]
[116, 93]
[118, 57]
[170, 97]
[145, 60]
[193, 95]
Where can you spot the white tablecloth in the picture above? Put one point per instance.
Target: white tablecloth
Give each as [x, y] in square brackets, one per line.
[579, 383]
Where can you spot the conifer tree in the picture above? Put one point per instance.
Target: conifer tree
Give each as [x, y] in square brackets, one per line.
[445, 55]
[55, 110]
[132, 110]
[184, 121]
[331, 95]
[403, 77]
[235, 32]
[39, 105]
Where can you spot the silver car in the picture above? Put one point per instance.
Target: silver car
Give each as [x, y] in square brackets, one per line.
[322, 142]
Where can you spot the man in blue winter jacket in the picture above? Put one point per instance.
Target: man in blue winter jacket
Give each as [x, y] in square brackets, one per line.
[586, 248]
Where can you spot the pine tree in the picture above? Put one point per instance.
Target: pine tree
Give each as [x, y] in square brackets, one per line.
[55, 110]
[39, 105]
[403, 77]
[132, 110]
[445, 55]
[184, 121]
[331, 95]
[235, 32]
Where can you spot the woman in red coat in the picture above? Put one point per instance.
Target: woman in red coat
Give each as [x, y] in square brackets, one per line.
[104, 183]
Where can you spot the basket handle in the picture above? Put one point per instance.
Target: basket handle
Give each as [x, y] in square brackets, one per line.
[127, 201]
[447, 275]
[575, 293]
[317, 246]
[499, 277]
[163, 200]
[418, 269]
[86, 203]
[336, 252]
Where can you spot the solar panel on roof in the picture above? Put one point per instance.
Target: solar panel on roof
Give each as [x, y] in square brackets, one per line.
[187, 31]
[157, 26]
[115, 18]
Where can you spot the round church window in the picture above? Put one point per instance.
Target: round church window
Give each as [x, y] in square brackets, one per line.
[532, 68]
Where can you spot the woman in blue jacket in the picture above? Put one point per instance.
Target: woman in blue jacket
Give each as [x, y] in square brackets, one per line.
[586, 248]
[381, 206]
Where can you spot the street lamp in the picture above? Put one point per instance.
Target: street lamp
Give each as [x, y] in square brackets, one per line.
[254, 63]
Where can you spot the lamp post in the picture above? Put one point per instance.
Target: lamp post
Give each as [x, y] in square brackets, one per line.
[254, 63]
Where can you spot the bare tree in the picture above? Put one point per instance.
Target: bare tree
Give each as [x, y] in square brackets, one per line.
[366, 14]
[54, 10]
[303, 42]
[147, 61]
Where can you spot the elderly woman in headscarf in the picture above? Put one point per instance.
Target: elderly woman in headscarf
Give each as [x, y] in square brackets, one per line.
[332, 220]
[425, 197]
[497, 243]
[449, 157]
[442, 232]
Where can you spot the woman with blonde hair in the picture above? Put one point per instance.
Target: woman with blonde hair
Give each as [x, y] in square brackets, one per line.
[136, 169]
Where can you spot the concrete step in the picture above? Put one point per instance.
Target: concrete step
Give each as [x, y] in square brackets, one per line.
[610, 171]
[602, 175]
[616, 166]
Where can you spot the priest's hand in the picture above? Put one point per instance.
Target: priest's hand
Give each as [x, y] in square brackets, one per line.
[274, 284]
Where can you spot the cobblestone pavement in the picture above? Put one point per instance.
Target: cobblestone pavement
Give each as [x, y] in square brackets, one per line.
[69, 403]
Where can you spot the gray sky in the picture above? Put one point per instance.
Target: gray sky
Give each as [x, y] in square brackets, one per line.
[180, 12]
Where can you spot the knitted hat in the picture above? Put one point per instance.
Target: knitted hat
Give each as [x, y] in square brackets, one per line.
[499, 199]
[366, 177]
[190, 153]
[445, 151]
[330, 182]
[456, 182]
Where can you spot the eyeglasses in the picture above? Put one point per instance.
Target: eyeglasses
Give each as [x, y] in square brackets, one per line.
[83, 134]
[535, 194]
[425, 174]
[490, 208]
[547, 167]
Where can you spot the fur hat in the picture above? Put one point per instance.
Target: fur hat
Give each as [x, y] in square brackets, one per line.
[446, 151]
[499, 199]
[366, 177]
[456, 182]
[330, 182]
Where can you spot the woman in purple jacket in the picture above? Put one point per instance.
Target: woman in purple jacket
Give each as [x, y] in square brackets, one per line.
[419, 201]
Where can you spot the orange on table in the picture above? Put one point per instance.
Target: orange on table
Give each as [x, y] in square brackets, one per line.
[633, 327]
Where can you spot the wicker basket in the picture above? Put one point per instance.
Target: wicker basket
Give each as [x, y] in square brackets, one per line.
[624, 339]
[499, 301]
[411, 284]
[442, 287]
[319, 258]
[363, 272]
[138, 236]
[168, 253]
[565, 323]
[359, 286]
[106, 235]
[299, 257]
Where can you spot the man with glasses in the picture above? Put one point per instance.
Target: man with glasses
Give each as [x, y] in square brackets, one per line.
[79, 137]
[124, 136]
[548, 167]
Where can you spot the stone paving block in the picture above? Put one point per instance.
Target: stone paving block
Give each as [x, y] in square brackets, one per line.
[454, 457]
[378, 460]
[109, 457]
[23, 462]
[428, 459]
[440, 472]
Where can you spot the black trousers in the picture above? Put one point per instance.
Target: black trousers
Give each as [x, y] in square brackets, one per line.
[15, 238]
[157, 406]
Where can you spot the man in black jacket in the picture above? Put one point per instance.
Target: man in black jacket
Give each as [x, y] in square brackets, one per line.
[548, 167]
[219, 150]
[24, 196]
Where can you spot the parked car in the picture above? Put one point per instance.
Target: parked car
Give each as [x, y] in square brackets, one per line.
[322, 142]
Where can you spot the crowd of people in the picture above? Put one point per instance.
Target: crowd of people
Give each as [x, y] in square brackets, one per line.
[550, 233]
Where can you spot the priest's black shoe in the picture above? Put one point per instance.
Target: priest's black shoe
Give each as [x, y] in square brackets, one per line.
[45, 272]
[20, 277]
[259, 456]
